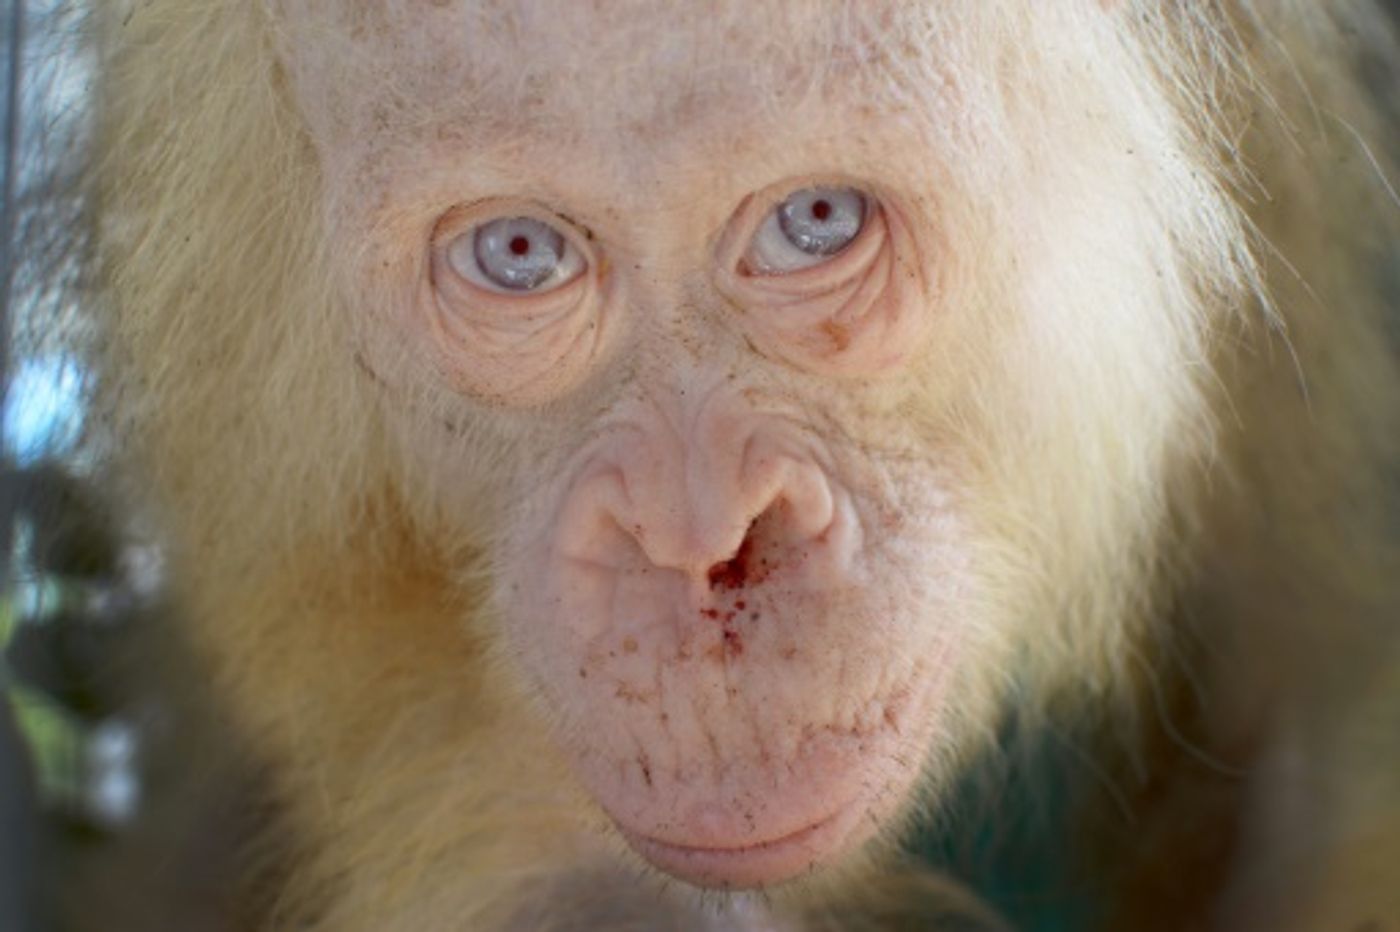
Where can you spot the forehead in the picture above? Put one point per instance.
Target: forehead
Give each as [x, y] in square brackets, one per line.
[568, 66]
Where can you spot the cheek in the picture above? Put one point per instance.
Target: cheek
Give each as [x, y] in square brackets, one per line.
[767, 717]
[377, 286]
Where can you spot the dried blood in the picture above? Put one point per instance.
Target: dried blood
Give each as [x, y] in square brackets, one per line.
[733, 573]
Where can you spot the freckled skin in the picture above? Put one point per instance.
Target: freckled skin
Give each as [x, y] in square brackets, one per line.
[738, 655]
[744, 674]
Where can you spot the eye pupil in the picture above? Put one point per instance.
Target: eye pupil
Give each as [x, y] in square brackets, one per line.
[515, 253]
[821, 221]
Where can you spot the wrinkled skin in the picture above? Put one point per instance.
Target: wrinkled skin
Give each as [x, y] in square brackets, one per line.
[774, 532]
[740, 582]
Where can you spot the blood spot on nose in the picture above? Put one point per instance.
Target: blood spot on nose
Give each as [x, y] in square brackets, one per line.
[734, 572]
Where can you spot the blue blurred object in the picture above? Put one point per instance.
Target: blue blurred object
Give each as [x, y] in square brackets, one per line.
[43, 412]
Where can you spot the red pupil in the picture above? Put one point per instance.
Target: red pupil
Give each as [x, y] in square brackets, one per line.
[821, 210]
[520, 245]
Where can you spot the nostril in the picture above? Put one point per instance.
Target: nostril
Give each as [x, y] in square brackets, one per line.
[758, 555]
[734, 572]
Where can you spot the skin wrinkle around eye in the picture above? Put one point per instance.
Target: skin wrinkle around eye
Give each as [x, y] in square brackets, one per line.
[852, 315]
[480, 362]
[522, 349]
[799, 287]
[509, 331]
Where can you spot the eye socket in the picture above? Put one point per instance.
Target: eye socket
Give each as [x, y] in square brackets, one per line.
[809, 227]
[514, 256]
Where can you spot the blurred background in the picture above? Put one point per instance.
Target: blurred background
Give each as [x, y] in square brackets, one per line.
[74, 589]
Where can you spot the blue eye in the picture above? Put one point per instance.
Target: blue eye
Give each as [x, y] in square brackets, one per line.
[806, 229]
[514, 255]
[822, 221]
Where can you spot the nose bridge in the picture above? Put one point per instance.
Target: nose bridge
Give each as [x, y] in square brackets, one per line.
[722, 488]
[695, 494]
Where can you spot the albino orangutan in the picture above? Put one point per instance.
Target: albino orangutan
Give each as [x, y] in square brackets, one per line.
[780, 465]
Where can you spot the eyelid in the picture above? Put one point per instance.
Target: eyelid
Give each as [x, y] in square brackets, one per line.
[463, 219]
[755, 210]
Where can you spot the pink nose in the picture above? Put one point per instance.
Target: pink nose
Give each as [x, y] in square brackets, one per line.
[690, 500]
[701, 528]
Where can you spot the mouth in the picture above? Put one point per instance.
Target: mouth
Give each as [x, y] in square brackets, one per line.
[751, 865]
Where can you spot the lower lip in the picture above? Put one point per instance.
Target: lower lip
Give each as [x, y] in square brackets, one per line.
[749, 866]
